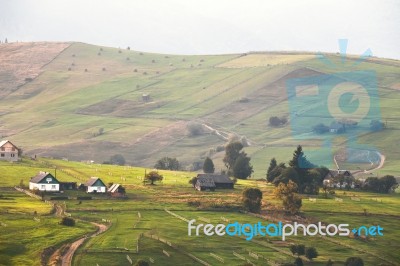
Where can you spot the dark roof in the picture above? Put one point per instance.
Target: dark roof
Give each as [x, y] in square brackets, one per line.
[205, 181]
[42, 175]
[335, 173]
[93, 180]
[217, 178]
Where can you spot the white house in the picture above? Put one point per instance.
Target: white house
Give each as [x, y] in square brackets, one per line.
[8, 151]
[44, 182]
[95, 185]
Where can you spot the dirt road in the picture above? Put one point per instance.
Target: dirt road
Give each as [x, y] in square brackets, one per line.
[66, 259]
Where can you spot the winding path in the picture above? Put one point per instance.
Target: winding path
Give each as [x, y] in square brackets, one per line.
[66, 259]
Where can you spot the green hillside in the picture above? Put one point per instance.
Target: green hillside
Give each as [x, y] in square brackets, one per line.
[85, 88]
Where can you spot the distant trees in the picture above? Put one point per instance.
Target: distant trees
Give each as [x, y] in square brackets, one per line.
[306, 175]
[167, 163]
[237, 161]
[354, 261]
[208, 166]
[291, 200]
[117, 159]
[251, 199]
[385, 184]
[152, 177]
[277, 121]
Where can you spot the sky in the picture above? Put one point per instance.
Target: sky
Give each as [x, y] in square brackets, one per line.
[209, 26]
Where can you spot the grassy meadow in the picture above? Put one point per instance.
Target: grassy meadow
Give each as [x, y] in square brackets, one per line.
[87, 88]
[143, 216]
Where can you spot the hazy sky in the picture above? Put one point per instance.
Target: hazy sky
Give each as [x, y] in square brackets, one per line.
[208, 26]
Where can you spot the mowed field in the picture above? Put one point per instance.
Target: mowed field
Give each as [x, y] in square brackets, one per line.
[148, 221]
[86, 88]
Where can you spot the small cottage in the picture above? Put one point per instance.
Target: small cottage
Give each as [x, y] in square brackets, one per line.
[44, 181]
[213, 181]
[95, 185]
[8, 151]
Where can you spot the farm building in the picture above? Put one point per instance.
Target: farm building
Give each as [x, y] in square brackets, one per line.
[116, 190]
[213, 181]
[44, 181]
[95, 185]
[8, 151]
[331, 178]
[204, 184]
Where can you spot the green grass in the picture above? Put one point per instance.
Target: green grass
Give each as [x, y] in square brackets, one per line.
[59, 113]
[30, 237]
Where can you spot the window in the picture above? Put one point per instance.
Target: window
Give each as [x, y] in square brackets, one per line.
[2, 155]
[42, 187]
[3, 149]
[12, 155]
[53, 186]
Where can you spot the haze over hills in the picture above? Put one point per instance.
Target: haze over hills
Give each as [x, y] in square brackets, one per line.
[87, 102]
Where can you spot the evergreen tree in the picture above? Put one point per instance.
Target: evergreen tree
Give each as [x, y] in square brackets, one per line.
[208, 166]
[242, 168]
[271, 167]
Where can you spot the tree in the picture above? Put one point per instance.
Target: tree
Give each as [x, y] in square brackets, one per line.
[288, 194]
[167, 163]
[68, 221]
[193, 181]
[208, 166]
[385, 184]
[329, 263]
[242, 168]
[20, 152]
[194, 129]
[232, 151]
[311, 253]
[117, 159]
[6, 41]
[272, 165]
[354, 261]
[277, 171]
[153, 176]
[141, 262]
[298, 262]
[287, 174]
[251, 199]
[388, 183]
[297, 249]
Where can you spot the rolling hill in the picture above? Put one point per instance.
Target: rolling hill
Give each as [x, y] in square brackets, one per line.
[87, 102]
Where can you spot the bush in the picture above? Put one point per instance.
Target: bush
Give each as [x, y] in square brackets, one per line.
[354, 261]
[194, 129]
[252, 200]
[59, 198]
[311, 253]
[167, 163]
[195, 203]
[276, 121]
[68, 221]
[84, 198]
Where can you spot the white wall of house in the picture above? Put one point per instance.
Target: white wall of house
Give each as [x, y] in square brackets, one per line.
[44, 187]
[91, 189]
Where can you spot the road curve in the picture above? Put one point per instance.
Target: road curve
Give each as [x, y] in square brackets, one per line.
[66, 259]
